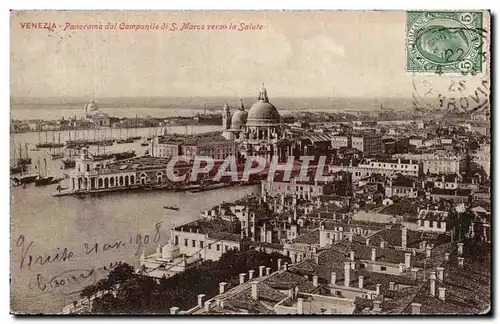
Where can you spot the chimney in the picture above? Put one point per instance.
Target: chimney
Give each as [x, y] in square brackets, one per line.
[250, 274]
[200, 300]
[376, 305]
[360, 284]
[333, 278]
[414, 274]
[433, 283]
[415, 308]
[377, 289]
[279, 264]
[300, 306]
[222, 287]
[428, 250]
[460, 262]
[347, 273]
[242, 278]
[255, 290]
[401, 267]
[442, 293]
[391, 285]
[207, 305]
[315, 281]
[316, 259]
[374, 254]
[367, 241]
[407, 260]
[404, 237]
[460, 248]
[268, 271]
[351, 255]
[350, 237]
[446, 257]
[261, 271]
[382, 244]
[440, 273]
[174, 310]
[286, 266]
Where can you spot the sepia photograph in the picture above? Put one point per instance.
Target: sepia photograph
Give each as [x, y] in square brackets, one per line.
[250, 162]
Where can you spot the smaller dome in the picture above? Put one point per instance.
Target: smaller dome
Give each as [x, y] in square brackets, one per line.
[239, 118]
[169, 251]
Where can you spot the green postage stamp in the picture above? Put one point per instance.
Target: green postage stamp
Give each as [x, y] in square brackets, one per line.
[444, 42]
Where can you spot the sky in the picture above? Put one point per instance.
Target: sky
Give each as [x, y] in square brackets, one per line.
[324, 54]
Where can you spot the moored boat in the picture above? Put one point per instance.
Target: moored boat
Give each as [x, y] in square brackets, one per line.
[171, 207]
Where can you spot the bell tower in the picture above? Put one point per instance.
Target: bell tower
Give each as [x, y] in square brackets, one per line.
[226, 117]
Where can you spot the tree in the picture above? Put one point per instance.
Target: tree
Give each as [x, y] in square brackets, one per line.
[120, 273]
[88, 292]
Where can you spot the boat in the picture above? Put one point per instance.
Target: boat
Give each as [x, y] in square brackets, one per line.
[68, 163]
[125, 140]
[26, 159]
[28, 178]
[171, 207]
[101, 157]
[47, 144]
[17, 169]
[124, 155]
[18, 166]
[43, 180]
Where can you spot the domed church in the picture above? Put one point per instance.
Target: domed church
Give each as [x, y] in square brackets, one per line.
[257, 131]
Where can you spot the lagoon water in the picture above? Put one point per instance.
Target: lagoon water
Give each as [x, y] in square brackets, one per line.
[67, 229]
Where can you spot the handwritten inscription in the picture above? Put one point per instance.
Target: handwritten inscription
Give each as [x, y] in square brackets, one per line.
[72, 281]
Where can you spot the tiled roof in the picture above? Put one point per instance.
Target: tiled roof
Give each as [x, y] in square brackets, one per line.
[393, 237]
[451, 192]
[284, 280]
[311, 237]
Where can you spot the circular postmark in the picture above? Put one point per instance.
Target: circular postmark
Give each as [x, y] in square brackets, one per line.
[460, 95]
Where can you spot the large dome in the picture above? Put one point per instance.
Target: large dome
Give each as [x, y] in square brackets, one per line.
[263, 112]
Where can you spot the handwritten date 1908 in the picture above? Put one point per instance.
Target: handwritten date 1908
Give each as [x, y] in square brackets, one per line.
[61, 255]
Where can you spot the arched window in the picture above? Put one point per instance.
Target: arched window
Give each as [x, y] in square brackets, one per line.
[106, 182]
[100, 182]
[132, 180]
[112, 182]
[120, 180]
[126, 181]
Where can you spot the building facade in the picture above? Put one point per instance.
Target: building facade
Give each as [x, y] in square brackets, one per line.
[368, 143]
[258, 132]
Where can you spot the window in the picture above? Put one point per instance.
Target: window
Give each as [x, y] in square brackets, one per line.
[210, 246]
[185, 242]
[218, 247]
[383, 268]
[193, 243]
[176, 240]
[327, 235]
[201, 244]
[338, 293]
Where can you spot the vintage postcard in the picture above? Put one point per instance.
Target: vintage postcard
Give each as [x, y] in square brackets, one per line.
[250, 162]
